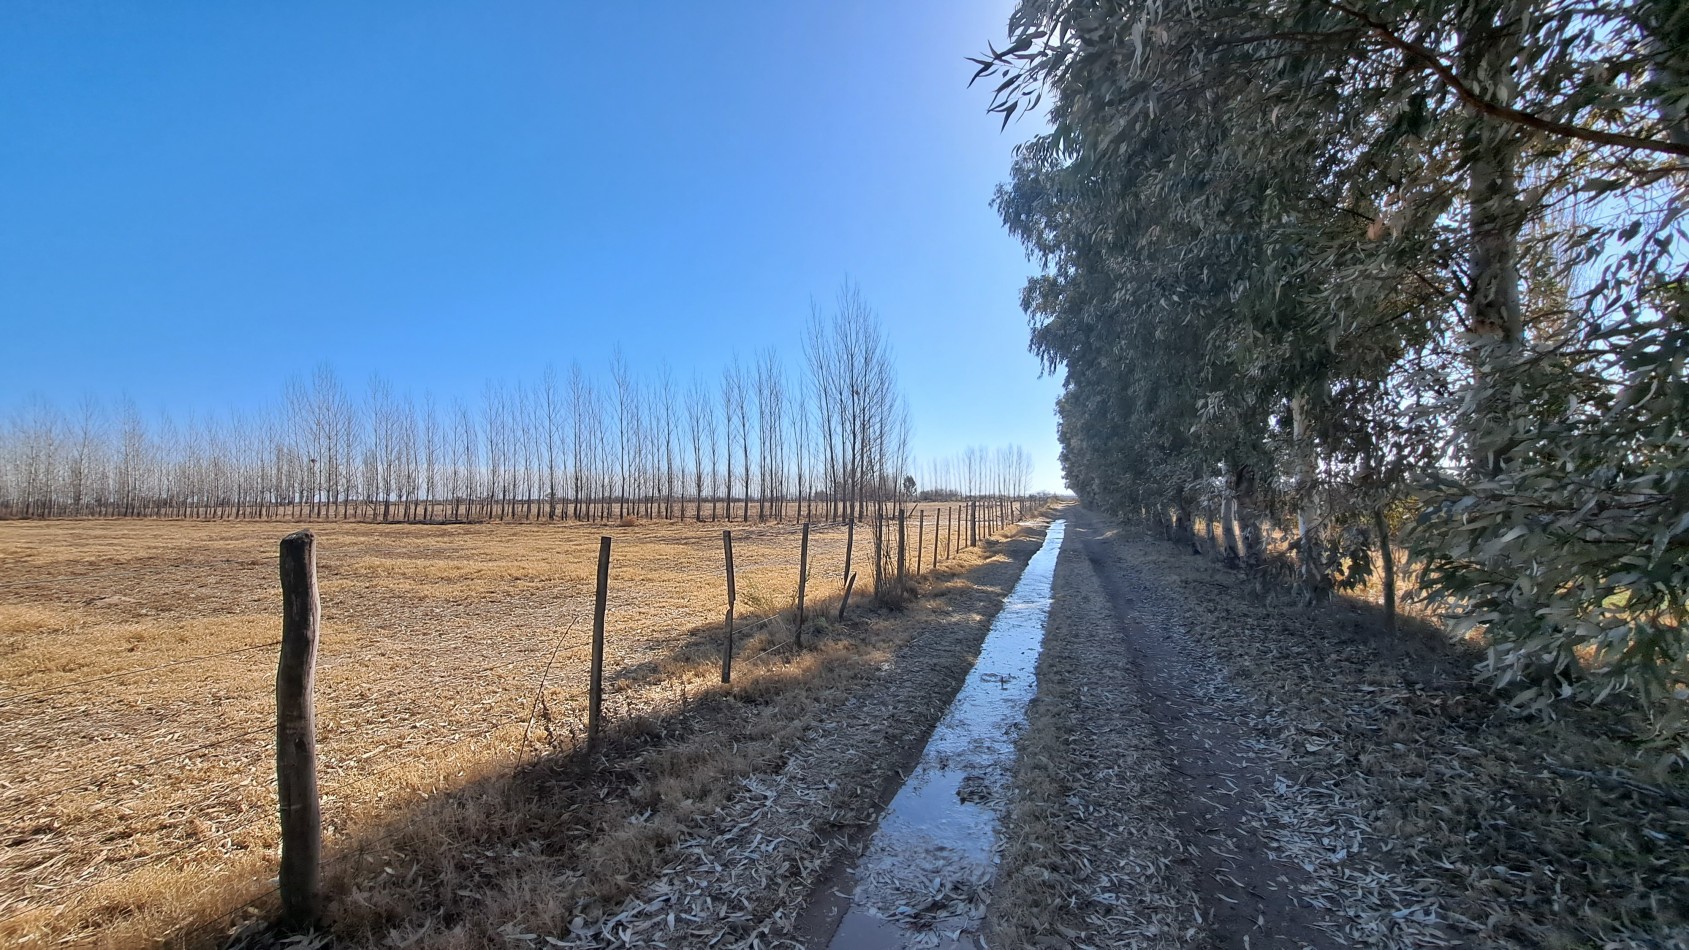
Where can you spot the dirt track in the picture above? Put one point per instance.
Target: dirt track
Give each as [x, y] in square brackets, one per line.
[1201, 767]
[1207, 768]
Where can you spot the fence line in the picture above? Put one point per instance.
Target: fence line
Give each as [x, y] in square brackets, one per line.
[890, 542]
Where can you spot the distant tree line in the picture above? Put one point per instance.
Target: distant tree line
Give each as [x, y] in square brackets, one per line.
[979, 472]
[827, 439]
[1349, 268]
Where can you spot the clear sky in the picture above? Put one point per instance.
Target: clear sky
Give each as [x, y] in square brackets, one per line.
[199, 200]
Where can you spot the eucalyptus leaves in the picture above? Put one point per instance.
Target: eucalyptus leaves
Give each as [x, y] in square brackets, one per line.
[1333, 264]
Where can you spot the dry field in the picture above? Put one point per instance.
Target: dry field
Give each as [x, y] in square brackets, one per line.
[137, 663]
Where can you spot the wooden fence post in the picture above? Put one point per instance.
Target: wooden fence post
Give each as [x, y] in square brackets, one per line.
[595, 686]
[920, 542]
[849, 578]
[803, 576]
[296, 734]
[880, 557]
[902, 545]
[935, 540]
[850, 542]
[732, 596]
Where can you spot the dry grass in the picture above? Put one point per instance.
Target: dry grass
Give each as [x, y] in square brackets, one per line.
[138, 797]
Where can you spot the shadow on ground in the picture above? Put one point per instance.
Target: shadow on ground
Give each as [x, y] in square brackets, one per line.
[557, 850]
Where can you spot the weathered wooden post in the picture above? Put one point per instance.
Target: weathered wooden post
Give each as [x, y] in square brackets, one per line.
[296, 734]
[920, 541]
[845, 600]
[595, 685]
[902, 546]
[732, 595]
[849, 578]
[935, 515]
[880, 557]
[803, 577]
[850, 542]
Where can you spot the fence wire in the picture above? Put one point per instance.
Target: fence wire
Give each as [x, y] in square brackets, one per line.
[637, 686]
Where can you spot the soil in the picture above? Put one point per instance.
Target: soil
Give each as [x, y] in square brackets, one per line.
[743, 875]
[1243, 888]
[923, 878]
[1205, 766]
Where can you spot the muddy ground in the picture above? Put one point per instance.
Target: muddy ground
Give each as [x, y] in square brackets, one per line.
[1205, 766]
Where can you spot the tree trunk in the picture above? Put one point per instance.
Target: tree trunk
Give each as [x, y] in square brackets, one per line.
[1315, 582]
[1389, 569]
[1233, 555]
[1253, 542]
[1496, 216]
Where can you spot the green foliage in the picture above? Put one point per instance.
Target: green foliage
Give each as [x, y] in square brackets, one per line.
[1574, 558]
[1447, 233]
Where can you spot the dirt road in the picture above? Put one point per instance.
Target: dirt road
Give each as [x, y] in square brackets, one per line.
[1204, 767]
[1201, 766]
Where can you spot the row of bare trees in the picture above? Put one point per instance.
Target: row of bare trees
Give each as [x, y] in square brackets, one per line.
[979, 472]
[764, 440]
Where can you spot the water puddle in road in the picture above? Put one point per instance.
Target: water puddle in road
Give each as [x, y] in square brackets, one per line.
[922, 881]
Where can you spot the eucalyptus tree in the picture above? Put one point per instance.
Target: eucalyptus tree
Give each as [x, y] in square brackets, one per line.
[1329, 248]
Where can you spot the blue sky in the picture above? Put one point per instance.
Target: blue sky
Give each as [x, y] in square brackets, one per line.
[199, 200]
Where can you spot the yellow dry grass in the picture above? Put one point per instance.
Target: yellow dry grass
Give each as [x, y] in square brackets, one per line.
[137, 792]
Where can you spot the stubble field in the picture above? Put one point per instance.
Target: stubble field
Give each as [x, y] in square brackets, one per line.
[137, 665]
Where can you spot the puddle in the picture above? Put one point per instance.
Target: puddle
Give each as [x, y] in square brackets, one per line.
[923, 879]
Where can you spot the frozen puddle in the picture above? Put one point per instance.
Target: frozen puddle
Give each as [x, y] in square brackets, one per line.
[923, 879]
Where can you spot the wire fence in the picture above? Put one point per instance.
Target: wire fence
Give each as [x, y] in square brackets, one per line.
[448, 704]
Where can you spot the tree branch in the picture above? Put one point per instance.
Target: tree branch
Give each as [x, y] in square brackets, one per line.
[1496, 110]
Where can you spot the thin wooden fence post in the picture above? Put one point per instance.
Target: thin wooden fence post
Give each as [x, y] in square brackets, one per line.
[849, 578]
[920, 542]
[296, 734]
[902, 545]
[803, 576]
[595, 686]
[880, 556]
[850, 543]
[845, 600]
[732, 596]
[935, 515]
